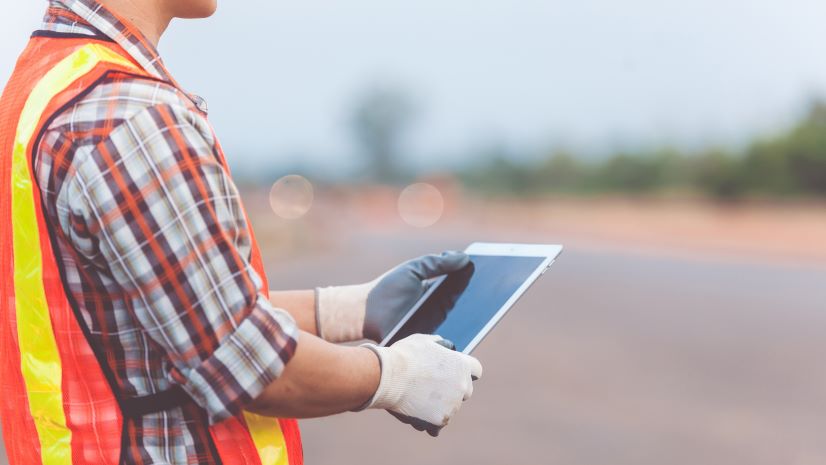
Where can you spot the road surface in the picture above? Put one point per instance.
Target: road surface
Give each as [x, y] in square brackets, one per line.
[612, 358]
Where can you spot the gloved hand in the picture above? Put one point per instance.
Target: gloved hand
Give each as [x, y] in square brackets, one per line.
[371, 310]
[423, 383]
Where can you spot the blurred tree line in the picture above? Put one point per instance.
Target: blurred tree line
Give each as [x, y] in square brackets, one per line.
[792, 163]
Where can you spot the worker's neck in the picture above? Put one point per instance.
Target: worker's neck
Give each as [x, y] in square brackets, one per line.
[149, 16]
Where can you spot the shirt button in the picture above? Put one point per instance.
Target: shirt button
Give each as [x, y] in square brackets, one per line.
[201, 103]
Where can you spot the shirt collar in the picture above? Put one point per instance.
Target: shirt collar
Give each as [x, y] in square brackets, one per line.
[91, 18]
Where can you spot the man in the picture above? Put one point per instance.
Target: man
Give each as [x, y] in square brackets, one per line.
[135, 325]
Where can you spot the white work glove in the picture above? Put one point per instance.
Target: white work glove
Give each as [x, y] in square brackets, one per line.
[371, 310]
[423, 383]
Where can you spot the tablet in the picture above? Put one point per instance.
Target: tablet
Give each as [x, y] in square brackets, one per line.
[464, 306]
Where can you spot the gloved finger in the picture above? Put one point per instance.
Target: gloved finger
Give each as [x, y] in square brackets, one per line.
[431, 266]
[417, 423]
[427, 284]
[446, 343]
[475, 367]
[468, 392]
[427, 337]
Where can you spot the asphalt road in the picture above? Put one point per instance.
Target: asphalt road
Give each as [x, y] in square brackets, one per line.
[614, 359]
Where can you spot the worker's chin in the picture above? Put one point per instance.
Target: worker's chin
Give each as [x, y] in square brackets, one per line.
[197, 9]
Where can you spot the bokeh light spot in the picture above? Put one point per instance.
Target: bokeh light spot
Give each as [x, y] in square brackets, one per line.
[291, 197]
[421, 205]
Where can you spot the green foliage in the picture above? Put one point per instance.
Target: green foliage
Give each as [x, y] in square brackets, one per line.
[792, 163]
[629, 173]
[805, 152]
[719, 174]
[559, 172]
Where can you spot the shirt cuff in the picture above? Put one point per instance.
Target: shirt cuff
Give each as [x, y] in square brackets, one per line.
[244, 364]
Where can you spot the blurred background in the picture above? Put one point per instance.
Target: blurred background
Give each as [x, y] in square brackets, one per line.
[677, 149]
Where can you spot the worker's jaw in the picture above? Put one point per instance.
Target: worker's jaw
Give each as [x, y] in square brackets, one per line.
[192, 8]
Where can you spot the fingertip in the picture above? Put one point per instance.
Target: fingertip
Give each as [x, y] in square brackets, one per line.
[425, 337]
[446, 343]
[468, 392]
[454, 260]
[475, 367]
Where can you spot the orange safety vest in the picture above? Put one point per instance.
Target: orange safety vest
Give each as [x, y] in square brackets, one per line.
[58, 400]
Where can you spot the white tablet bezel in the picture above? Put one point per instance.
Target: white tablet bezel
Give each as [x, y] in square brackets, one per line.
[548, 251]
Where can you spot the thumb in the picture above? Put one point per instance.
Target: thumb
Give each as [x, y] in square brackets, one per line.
[431, 266]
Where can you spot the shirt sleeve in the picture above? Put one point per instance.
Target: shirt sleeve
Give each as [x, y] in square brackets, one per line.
[168, 223]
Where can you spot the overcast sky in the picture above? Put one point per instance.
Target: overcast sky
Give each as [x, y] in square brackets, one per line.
[280, 77]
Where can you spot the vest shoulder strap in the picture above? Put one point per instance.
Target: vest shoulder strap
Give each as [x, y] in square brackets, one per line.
[82, 66]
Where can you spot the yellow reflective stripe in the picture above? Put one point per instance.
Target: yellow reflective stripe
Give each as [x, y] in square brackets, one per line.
[39, 356]
[268, 438]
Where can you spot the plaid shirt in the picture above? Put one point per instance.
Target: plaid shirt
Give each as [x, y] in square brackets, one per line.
[155, 247]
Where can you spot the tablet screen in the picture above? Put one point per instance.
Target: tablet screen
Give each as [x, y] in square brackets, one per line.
[468, 299]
